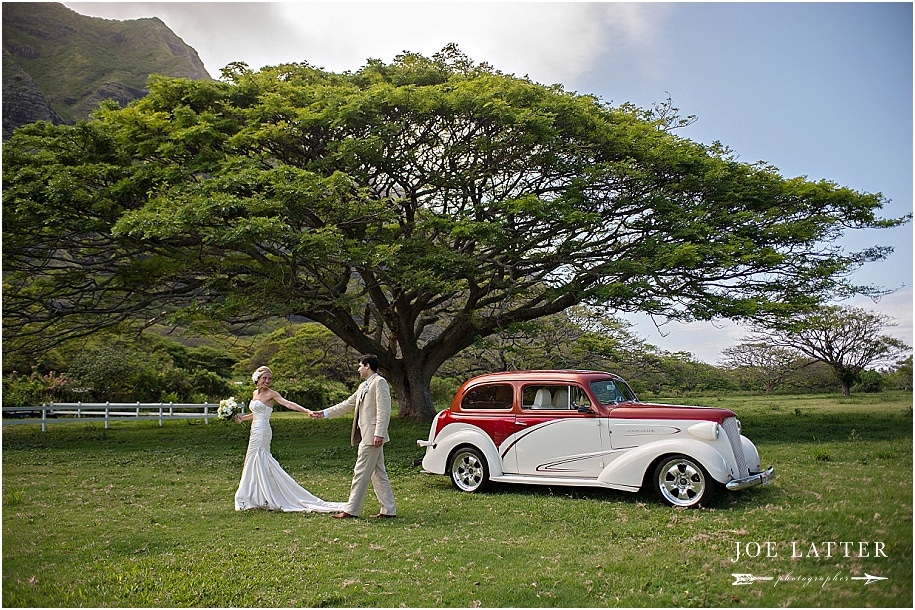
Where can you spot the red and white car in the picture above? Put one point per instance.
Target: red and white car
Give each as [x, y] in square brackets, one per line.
[587, 428]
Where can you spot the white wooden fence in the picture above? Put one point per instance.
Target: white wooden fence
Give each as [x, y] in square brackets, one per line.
[62, 412]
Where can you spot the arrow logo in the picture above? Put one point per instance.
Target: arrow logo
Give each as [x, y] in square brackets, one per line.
[748, 579]
[869, 579]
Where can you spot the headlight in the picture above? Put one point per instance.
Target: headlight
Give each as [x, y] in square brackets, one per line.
[706, 430]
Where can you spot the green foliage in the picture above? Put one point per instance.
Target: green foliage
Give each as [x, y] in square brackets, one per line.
[412, 208]
[118, 372]
[899, 377]
[34, 389]
[870, 382]
[121, 369]
[314, 368]
[179, 541]
[313, 393]
[443, 390]
[204, 357]
[310, 350]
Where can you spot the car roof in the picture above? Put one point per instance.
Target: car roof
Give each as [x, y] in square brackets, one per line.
[544, 375]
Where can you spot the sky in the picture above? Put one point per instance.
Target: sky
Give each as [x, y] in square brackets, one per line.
[821, 90]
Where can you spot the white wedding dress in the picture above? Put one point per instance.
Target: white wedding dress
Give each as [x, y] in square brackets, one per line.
[264, 483]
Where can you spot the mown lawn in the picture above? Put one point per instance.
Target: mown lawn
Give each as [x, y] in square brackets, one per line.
[142, 515]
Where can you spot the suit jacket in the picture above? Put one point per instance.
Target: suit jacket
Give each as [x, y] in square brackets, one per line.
[371, 406]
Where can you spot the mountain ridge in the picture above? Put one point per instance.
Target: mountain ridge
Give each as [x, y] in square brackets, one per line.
[59, 65]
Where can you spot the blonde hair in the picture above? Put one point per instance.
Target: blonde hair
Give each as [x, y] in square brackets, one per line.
[260, 371]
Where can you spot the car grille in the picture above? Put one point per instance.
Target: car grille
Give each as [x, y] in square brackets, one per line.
[730, 426]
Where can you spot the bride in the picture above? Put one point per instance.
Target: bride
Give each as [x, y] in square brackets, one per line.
[264, 483]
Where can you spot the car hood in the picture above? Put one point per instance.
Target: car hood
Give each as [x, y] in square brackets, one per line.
[647, 410]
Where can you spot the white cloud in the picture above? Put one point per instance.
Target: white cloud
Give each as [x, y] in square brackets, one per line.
[898, 306]
[549, 41]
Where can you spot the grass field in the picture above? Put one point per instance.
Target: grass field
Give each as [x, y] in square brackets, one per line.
[139, 515]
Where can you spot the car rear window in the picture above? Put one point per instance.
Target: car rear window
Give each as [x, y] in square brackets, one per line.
[493, 396]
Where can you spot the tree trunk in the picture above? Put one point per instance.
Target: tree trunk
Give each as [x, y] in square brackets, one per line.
[846, 387]
[847, 378]
[412, 385]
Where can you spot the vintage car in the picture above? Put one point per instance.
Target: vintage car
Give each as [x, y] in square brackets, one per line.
[587, 428]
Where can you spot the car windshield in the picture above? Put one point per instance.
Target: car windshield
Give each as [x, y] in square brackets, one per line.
[609, 391]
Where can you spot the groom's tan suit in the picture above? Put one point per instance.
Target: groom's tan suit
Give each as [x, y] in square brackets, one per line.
[371, 406]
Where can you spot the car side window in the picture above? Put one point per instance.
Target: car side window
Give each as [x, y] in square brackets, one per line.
[578, 398]
[493, 396]
[550, 397]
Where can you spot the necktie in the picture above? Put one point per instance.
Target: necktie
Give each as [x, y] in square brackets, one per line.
[356, 434]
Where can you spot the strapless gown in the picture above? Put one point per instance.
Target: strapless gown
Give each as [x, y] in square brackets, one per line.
[264, 483]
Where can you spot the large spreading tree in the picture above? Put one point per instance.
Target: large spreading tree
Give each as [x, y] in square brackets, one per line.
[847, 339]
[412, 208]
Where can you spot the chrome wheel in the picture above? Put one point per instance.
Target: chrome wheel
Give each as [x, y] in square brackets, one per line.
[468, 469]
[681, 481]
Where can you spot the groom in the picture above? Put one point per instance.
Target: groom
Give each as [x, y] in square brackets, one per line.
[372, 412]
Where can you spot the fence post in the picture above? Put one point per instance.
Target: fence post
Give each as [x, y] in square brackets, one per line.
[138, 408]
[107, 410]
[160, 414]
[206, 413]
[44, 417]
[79, 410]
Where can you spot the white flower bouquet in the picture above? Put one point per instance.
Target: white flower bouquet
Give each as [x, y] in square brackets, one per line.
[228, 408]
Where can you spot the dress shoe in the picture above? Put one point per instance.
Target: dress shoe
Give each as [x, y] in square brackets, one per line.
[343, 515]
[383, 516]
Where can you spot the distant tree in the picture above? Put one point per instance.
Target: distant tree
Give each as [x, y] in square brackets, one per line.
[609, 340]
[547, 343]
[676, 373]
[848, 339]
[899, 376]
[412, 208]
[578, 338]
[762, 364]
[310, 351]
[814, 376]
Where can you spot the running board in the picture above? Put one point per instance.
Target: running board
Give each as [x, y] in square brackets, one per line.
[563, 481]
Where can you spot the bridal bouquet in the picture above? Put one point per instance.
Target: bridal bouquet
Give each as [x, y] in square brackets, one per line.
[228, 408]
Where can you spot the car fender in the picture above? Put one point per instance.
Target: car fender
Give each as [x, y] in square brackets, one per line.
[751, 454]
[631, 465]
[453, 435]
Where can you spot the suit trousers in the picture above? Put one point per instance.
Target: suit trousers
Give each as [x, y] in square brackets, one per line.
[370, 467]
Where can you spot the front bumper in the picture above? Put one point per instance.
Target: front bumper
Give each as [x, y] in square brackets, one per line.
[759, 478]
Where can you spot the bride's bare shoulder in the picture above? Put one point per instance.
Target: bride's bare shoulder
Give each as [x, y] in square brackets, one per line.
[266, 397]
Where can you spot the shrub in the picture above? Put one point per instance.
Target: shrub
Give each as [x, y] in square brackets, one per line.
[119, 372]
[208, 383]
[443, 389]
[869, 382]
[314, 393]
[34, 389]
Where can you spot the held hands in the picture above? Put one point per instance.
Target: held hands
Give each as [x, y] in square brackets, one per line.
[316, 414]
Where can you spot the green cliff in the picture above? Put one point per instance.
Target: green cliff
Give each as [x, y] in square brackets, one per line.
[59, 65]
